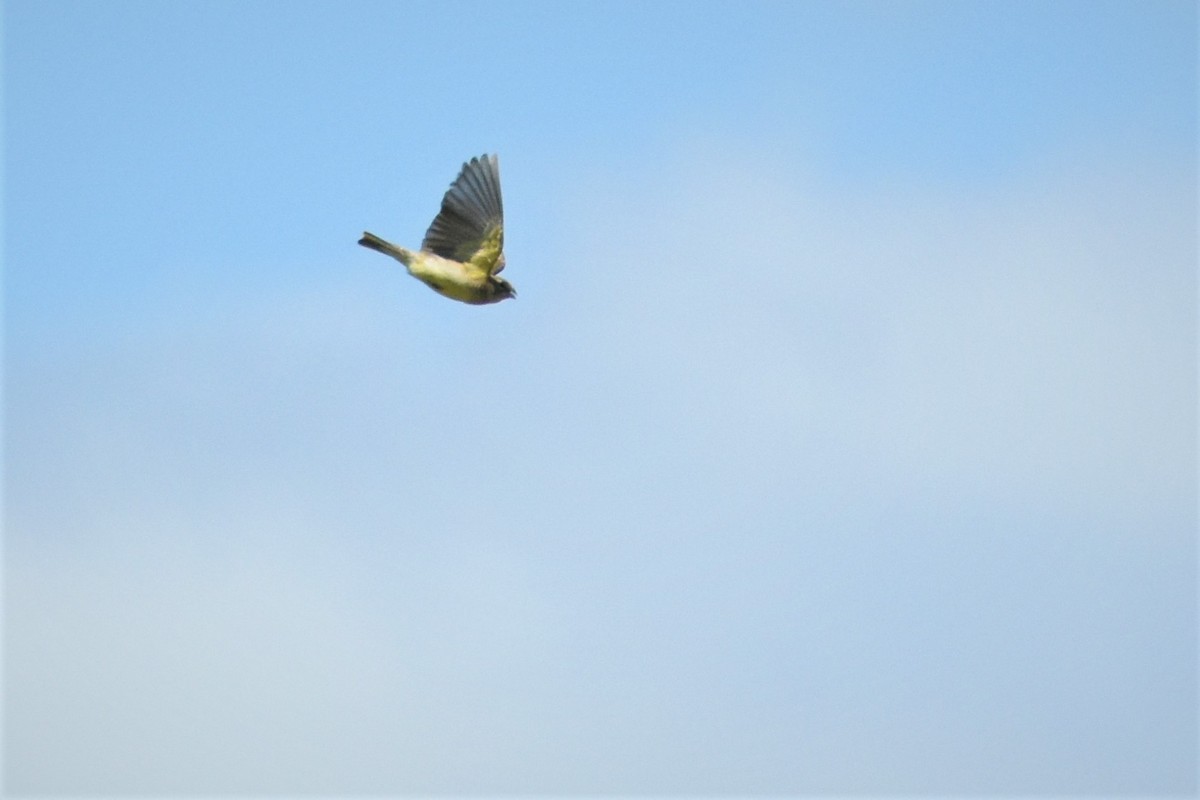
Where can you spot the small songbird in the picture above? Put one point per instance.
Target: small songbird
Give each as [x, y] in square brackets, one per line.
[463, 252]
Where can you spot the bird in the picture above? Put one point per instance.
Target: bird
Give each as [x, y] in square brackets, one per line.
[462, 254]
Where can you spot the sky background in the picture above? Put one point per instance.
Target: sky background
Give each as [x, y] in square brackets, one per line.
[842, 438]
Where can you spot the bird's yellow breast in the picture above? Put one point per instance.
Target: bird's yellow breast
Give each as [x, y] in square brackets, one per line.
[454, 279]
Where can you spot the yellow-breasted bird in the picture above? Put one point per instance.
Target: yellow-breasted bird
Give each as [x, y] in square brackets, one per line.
[463, 252]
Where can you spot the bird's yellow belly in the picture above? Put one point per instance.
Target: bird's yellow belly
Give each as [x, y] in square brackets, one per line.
[450, 278]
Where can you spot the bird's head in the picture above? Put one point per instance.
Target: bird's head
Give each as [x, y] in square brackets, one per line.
[502, 289]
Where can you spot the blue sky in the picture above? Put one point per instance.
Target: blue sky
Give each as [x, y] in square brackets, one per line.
[842, 438]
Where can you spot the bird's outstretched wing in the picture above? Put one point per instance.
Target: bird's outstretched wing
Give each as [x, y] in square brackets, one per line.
[470, 226]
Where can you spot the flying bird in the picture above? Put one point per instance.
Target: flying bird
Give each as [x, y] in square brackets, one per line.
[463, 252]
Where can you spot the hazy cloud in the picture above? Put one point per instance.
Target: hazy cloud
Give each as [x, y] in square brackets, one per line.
[772, 488]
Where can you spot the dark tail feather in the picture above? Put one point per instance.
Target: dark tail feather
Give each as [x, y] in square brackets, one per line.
[373, 242]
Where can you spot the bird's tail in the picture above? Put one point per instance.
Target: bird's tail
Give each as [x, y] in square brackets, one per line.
[387, 248]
